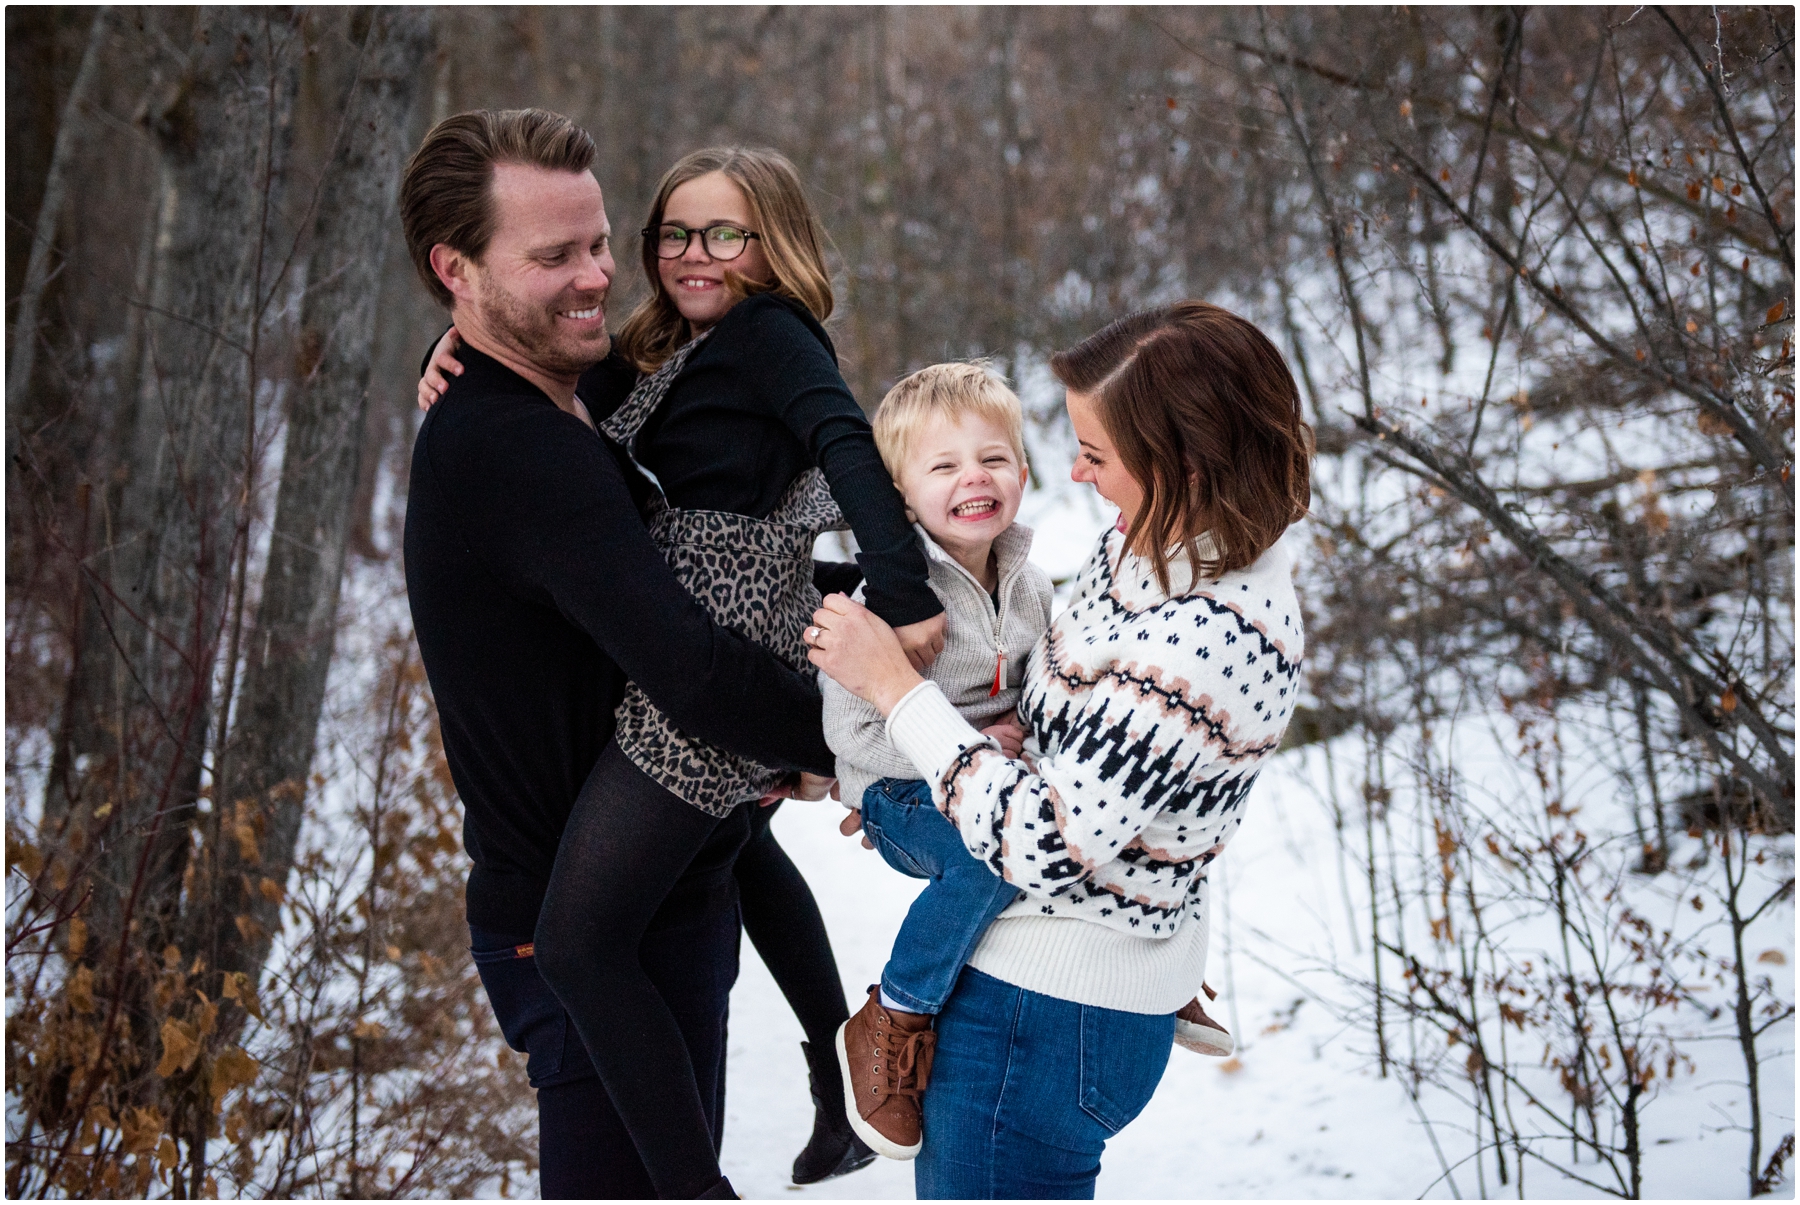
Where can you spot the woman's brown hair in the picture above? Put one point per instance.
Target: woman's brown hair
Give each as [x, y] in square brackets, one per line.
[1206, 419]
[792, 241]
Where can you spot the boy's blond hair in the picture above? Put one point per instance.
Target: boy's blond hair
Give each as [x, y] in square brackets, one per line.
[954, 391]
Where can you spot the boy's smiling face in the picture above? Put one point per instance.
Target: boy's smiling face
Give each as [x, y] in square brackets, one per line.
[962, 483]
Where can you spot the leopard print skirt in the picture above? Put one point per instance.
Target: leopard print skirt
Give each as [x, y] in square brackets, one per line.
[753, 575]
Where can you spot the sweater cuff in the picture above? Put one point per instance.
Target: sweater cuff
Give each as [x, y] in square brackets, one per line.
[927, 729]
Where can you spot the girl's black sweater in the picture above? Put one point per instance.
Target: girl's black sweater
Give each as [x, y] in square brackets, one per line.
[760, 402]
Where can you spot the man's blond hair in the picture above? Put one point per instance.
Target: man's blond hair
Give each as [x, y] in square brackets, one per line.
[955, 391]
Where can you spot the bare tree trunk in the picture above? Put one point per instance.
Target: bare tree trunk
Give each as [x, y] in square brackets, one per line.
[37, 269]
[157, 589]
[263, 769]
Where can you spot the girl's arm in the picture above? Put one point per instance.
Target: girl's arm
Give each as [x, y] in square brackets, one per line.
[800, 383]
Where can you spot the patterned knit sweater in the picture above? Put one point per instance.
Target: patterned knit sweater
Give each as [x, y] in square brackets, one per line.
[1153, 714]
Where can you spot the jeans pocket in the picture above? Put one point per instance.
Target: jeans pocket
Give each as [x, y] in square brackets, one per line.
[1123, 1056]
[531, 1018]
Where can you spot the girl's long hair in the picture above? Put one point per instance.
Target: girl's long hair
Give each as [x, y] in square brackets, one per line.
[1206, 419]
[792, 242]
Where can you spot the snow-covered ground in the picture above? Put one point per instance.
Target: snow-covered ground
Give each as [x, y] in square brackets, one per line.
[1300, 1113]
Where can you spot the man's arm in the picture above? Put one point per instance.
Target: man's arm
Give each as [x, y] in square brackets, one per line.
[546, 505]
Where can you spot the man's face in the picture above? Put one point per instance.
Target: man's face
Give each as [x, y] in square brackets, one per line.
[540, 288]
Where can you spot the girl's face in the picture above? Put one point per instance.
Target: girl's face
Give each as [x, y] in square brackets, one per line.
[696, 281]
[1098, 463]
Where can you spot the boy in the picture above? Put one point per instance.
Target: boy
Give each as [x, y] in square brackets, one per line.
[951, 435]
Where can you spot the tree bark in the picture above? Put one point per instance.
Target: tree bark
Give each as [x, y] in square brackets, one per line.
[156, 590]
[37, 268]
[262, 772]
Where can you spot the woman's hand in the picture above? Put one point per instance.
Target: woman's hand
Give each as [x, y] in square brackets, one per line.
[924, 640]
[860, 652]
[444, 365]
[1010, 735]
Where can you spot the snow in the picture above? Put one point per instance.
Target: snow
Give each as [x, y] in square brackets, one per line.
[1299, 1114]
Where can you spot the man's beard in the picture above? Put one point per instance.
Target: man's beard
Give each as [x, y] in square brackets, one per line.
[532, 332]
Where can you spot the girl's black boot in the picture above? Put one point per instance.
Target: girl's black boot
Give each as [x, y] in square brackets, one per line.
[833, 1150]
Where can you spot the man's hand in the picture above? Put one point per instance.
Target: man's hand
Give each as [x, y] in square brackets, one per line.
[924, 640]
[1010, 735]
[444, 365]
[851, 825]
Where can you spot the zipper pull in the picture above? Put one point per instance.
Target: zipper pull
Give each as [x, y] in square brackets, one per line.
[999, 668]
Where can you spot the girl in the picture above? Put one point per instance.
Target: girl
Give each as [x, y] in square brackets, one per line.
[742, 419]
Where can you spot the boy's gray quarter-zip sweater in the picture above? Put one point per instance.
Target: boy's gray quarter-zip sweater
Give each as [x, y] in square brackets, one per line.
[977, 635]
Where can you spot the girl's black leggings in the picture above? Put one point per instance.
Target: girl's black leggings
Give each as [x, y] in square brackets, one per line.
[784, 925]
[633, 854]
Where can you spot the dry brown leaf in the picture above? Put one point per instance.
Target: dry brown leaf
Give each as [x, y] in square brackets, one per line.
[232, 1069]
[1776, 311]
[180, 1046]
[77, 936]
[1231, 1066]
[1774, 956]
[166, 1153]
[272, 891]
[81, 990]
[23, 854]
[139, 1130]
[238, 987]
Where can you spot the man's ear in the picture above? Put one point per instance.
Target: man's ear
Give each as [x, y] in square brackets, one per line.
[454, 271]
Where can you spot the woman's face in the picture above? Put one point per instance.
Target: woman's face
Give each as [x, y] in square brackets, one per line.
[696, 281]
[1098, 463]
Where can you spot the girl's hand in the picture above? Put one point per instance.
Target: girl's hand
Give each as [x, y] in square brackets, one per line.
[444, 365]
[924, 640]
[1010, 735]
[860, 652]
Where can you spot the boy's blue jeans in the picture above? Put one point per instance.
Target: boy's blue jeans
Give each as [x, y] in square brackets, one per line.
[947, 920]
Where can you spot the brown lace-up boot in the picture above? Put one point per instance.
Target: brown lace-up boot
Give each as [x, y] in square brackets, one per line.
[1196, 1031]
[886, 1060]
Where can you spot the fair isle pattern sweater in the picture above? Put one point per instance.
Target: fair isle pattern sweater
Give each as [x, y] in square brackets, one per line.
[1154, 715]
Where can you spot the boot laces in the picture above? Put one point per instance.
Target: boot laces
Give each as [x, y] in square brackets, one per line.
[909, 1061]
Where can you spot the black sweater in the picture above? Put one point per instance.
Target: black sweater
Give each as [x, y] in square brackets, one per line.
[760, 402]
[536, 593]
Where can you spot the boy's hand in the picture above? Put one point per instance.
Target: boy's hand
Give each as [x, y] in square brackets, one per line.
[851, 825]
[1010, 735]
[923, 641]
[443, 361]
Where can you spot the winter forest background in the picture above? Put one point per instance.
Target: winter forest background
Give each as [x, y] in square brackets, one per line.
[1514, 914]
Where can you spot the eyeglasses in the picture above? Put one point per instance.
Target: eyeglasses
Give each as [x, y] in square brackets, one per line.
[720, 240]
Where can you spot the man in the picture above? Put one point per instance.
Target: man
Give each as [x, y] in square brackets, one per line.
[536, 594]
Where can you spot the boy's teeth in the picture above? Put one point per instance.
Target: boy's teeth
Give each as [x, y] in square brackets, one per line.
[970, 508]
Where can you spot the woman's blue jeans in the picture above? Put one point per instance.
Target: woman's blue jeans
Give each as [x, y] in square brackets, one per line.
[1026, 1090]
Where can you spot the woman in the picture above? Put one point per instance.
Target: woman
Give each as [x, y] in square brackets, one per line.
[739, 414]
[1155, 699]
